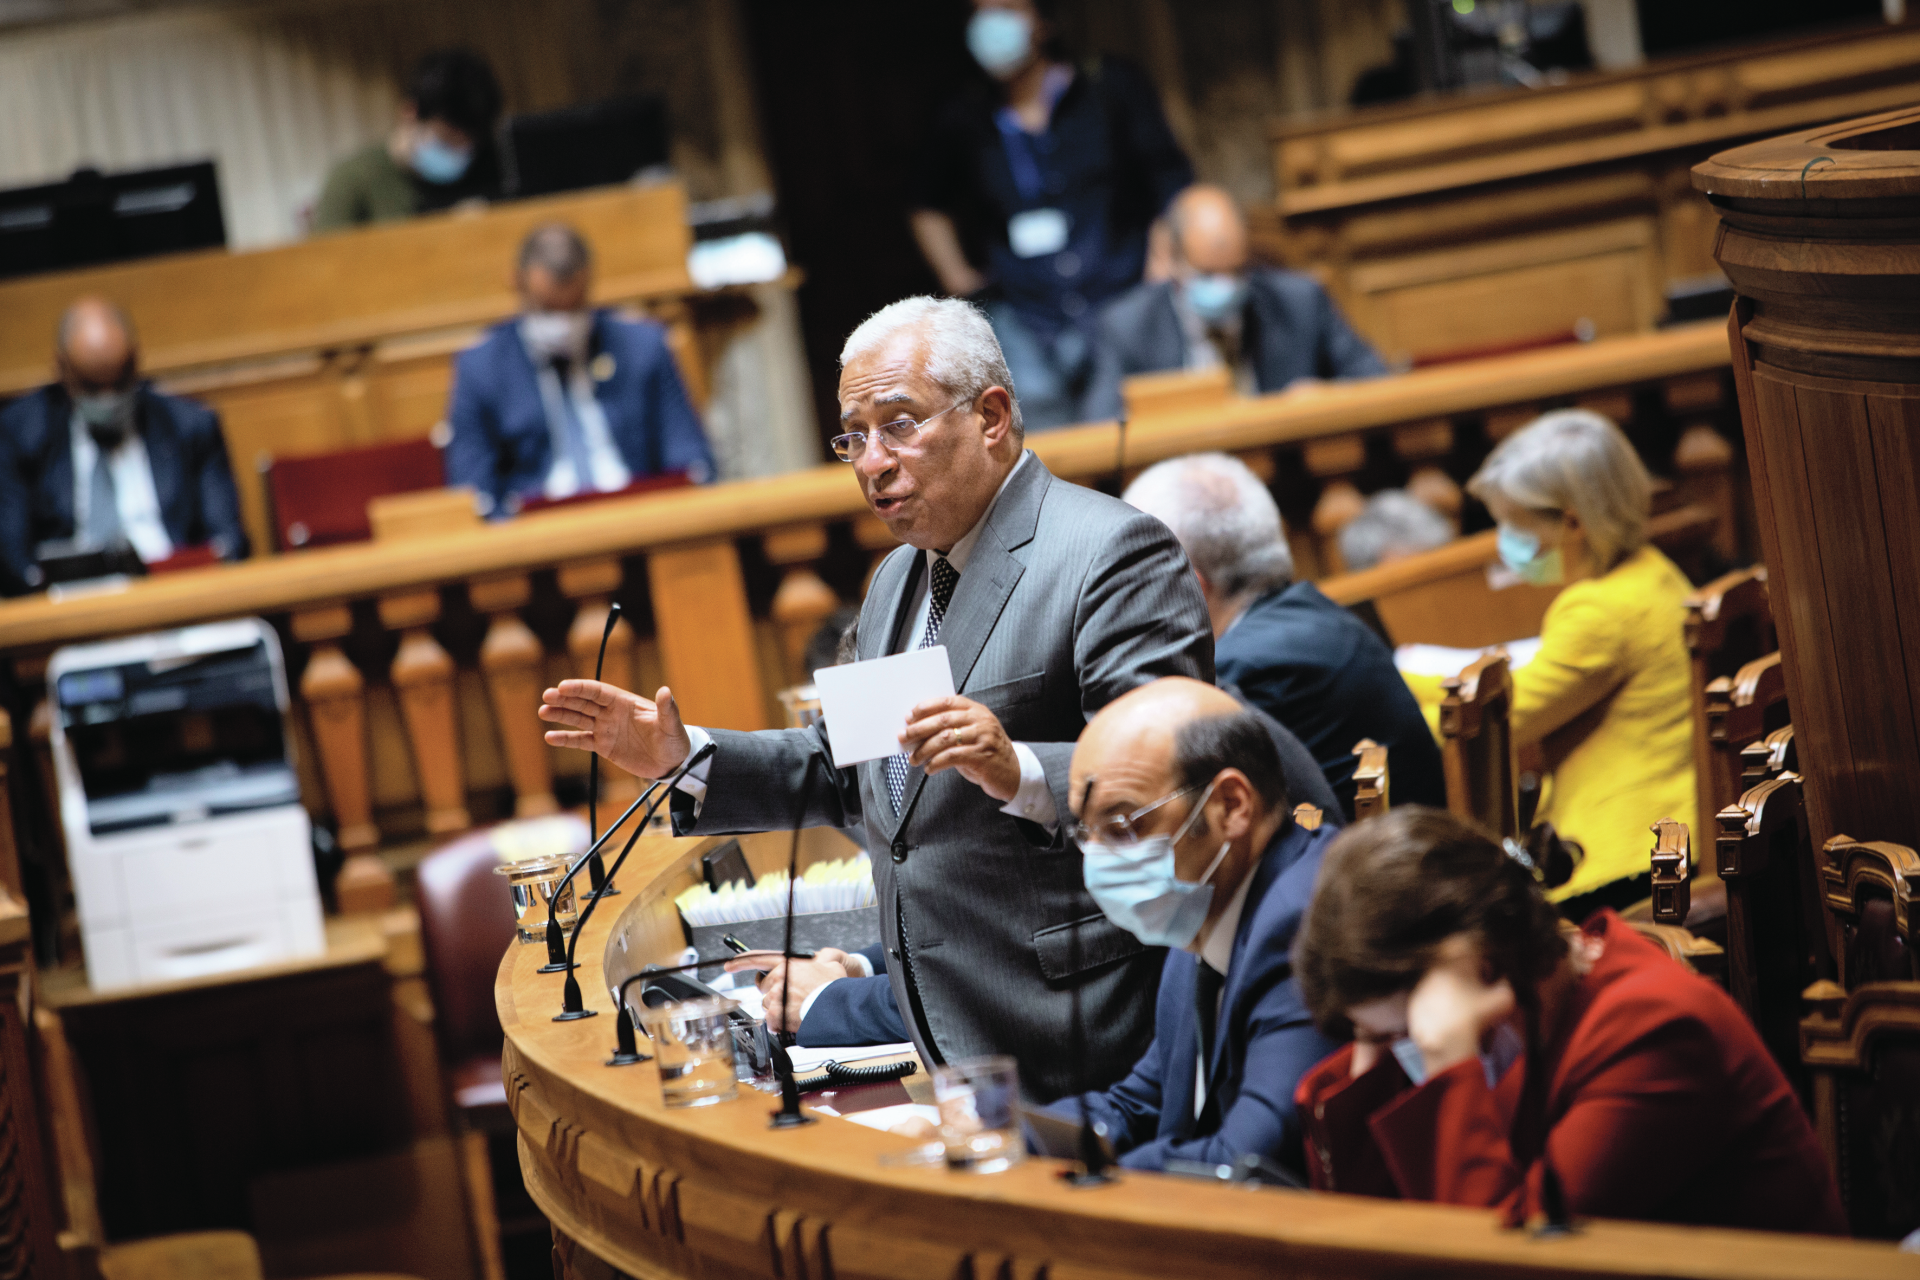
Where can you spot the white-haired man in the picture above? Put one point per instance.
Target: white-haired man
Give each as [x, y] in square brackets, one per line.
[1051, 600]
[1298, 656]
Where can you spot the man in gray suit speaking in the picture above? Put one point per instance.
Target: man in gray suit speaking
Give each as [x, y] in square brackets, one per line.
[1052, 600]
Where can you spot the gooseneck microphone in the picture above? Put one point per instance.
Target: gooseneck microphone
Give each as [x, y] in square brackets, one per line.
[1094, 1161]
[596, 871]
[789, 1115]
[572, 1004]
[556, 937]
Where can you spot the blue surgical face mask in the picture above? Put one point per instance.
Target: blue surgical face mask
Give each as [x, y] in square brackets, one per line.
[1139, 889]
[1000, 40]
[1215, 297]
[439, 163]
[1520, 552]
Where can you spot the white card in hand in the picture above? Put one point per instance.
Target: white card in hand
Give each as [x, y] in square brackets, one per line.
[865, 704]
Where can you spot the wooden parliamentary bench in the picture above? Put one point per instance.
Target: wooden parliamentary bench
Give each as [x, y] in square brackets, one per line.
[1490, 218]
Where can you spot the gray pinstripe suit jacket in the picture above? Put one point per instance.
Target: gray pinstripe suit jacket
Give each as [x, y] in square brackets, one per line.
[1069, 599]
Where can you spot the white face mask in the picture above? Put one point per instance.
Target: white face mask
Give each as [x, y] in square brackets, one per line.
[1000, 40]
[556, 333]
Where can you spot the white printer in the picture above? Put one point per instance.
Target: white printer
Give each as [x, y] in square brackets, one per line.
[188, 846]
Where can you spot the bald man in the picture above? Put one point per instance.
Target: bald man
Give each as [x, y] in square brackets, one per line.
[101, 461]
[1188, 842]
[1271, 327]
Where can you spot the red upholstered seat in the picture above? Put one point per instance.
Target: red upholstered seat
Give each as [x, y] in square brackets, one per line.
[466, 923]
[322, 498]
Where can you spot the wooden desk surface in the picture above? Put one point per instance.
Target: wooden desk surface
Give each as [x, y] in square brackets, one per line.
[713, 1191]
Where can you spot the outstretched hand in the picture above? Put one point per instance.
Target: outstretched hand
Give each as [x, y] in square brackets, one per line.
[647, 739]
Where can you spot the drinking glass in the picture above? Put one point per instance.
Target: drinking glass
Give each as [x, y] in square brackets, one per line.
[979, 1123]
[693, 1047]
[534, 881]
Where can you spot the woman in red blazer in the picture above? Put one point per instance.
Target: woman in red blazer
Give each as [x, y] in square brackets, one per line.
[1501, 1059]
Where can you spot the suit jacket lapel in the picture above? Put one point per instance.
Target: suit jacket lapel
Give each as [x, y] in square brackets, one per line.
[1271, 865]
[165, 461]
[985, 585]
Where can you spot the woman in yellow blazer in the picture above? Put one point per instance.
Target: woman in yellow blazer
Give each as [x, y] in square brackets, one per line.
[1607, 696]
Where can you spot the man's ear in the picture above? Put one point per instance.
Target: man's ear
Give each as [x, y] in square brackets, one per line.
[996, 407]
[1238, 807]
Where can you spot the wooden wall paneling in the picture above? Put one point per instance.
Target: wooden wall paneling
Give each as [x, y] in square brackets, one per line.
[512, 660]
[1893, 423]
[422, 674]
[706, 634]
[335, 694]
[409, 383]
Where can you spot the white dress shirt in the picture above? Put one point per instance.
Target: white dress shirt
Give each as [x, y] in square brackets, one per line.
[133, 491]
[1034, 800]
[603, 456]
[1217, 953]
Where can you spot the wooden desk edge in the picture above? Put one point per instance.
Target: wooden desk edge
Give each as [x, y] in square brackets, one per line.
[605, 1160]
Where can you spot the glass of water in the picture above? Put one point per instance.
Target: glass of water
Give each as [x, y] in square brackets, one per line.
[535, 881]
[979, 1122]
[693, 1047]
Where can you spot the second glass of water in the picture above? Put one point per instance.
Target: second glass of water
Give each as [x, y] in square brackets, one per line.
[979, 1122]
[693, 1047]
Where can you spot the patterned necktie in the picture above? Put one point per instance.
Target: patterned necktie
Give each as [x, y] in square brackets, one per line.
[945, 579]
[574, 430]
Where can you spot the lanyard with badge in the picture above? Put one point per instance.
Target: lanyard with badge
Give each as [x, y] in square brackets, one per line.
[1031, 233]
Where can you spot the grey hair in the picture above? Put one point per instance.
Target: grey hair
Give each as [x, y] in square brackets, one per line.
[1579, 461]
[556, 248]
[1223, 516]
[1393, 521]
[962, 354]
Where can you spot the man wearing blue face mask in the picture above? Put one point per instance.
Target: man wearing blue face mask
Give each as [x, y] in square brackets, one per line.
[439, 154]
[1036, 193]
[1274, 329]
[100, 461]
[1188, 842]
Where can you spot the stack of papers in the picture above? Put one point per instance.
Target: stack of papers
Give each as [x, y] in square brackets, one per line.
[842, 885]
[1439, 660]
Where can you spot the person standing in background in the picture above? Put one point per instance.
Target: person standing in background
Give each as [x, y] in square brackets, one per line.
[440, 153]
[1054, 172]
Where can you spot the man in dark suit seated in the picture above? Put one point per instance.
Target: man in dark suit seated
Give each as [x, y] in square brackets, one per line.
[101, 461]
[844, 998]
[566, 399]
[1272, 328]
[1189, 843]
[1295, 654]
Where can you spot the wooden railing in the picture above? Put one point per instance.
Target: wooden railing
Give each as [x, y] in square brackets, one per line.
[1493, 217]
[419, 663]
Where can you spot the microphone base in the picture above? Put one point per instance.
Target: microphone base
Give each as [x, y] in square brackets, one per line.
[624, 1059]
[1081, 1178]
[553, 966]
[784, 1119]
[607, 892]
[1555, 1230]
[571, 1015]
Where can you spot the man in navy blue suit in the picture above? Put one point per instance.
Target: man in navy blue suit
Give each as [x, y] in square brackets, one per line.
[1298, 656]
[100, 461]
[1188, 842]
[566, 399]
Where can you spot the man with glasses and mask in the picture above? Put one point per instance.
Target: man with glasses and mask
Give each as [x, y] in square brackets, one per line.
[1189, 843]
[1272, 329]
[101, 462]
[568, 399]
[1051, 600]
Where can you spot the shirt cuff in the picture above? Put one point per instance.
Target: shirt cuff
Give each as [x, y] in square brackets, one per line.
[694, 784]
[806, 1006]
[1034, 800]
[859, 965]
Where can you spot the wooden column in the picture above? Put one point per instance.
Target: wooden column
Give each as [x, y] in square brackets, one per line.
[422, 674]
[1817, 234]
[592, 583]
[512, 660]
[705, 630]
[336, 697]
[803, 600]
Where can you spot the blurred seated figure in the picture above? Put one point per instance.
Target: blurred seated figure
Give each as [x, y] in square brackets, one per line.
[1608, 695]
[566, 398]
[1394, 524]
[1189, 843]
[1295, 654]
[440, 153]
[1503, 1059]
[100, 461]
[1273, 328]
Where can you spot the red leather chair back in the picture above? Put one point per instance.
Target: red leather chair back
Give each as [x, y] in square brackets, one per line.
[466, 924]
[322, 498]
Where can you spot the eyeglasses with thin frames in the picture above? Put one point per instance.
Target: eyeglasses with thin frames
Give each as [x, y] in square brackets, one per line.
[898, 433]
[1121, 828]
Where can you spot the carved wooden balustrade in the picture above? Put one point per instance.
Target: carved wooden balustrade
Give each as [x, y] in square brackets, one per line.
[418, 662]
